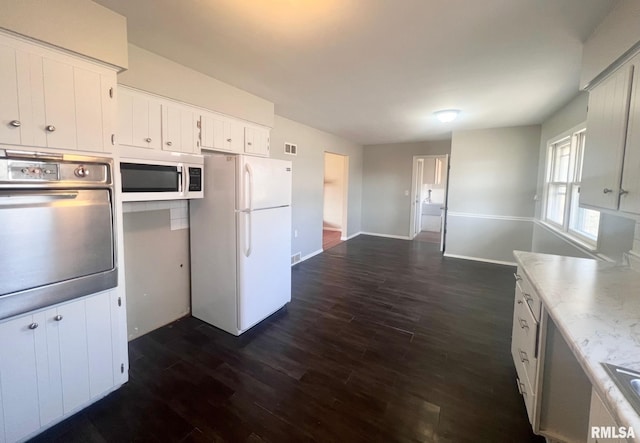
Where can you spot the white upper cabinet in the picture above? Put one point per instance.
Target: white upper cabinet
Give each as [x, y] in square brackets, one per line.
[139, 120]
[610, 178]
[605, 144]
[179, 129]
[54, 100]
[630, 189]
[220, 133]
[256, 141]
[10, 118]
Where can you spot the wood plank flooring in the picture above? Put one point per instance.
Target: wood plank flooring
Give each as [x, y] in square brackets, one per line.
[384, 341]
[330, 239]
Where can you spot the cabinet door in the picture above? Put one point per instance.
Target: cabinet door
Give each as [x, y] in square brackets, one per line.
[19, 378]
[234, 136]
[99, 343]
[88, 109]
[256, 141]
[74, 355]
[605, 144]
[630, 190]
[59, 104]
[171, 125]
[10, 119]
[125, 118]
[147, 122]
[188, 131]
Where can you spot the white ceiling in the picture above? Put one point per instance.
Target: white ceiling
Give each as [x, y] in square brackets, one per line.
[374, 71]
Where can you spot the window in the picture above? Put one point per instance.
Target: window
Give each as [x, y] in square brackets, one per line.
[564, 170]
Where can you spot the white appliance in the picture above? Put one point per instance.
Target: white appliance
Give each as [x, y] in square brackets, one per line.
[241, 241]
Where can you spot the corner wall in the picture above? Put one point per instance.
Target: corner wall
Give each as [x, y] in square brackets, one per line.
[308, 180]
[492, 184]
[386, 199]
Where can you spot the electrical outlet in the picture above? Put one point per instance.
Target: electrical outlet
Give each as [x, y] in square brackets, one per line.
[406, 192]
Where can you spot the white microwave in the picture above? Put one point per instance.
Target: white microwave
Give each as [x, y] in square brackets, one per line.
[160, 180]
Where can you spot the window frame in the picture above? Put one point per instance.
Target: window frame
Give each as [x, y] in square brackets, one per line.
[573, 180]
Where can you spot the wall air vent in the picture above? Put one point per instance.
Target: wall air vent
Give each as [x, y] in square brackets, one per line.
[291, 149]
[296, 258]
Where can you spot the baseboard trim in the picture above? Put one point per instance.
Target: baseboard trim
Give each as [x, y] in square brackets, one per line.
[308, 256]
[375, 234]
[325, 228]
[484, 260]
[351, 236]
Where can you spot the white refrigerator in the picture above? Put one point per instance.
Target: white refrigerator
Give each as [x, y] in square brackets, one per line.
[241, 241]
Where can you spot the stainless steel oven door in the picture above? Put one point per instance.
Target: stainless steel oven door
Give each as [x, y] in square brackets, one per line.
[57, 245]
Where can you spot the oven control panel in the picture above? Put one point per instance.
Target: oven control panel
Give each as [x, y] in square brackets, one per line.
[34, 171]
[30, 171]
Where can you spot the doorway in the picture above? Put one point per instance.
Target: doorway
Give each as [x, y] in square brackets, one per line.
[334, 215]
[429, 199]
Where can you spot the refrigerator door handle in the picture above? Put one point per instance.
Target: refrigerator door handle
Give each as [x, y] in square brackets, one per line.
[249, 171]
[247, 251]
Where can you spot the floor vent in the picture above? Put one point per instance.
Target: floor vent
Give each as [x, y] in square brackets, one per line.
[296, 258]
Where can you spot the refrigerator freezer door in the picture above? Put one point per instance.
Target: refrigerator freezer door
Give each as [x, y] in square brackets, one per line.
[264, 263]
[263, 183]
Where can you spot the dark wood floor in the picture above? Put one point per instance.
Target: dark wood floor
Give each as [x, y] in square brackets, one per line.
[428, 236]
[383, 341]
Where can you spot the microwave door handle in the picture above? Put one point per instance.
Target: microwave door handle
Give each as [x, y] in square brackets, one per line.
[181, 174]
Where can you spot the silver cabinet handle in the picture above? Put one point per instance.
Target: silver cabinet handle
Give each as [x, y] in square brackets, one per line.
[523, 323]
[249, 143]
[169, 143]
[517, 277]
[519, 302]
[148, 139]
[607, 191]
[33, 325]
[527, 297]
[229, 140]
[623, 192]
[15, 123]
[58, 317]
[522, 391]
[523, 356]
[50, 128]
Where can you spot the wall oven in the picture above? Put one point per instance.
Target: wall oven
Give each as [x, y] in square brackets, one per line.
[159, 180]
[56, 229]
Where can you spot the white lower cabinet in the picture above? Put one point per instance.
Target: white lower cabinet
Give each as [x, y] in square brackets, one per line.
[56, 361]
[599, 418]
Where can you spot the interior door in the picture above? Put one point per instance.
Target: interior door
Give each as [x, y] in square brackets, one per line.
[417, 202]
[264, 258]
[264, 183]
[443, 227]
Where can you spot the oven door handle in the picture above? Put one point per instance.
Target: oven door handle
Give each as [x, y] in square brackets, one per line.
[18, 199]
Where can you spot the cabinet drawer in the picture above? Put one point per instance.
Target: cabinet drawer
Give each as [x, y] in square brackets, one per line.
[525, 288]
[524, 340]
[529, 397]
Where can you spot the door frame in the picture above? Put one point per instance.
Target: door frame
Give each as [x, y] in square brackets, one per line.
[414, 196]
[345, 192]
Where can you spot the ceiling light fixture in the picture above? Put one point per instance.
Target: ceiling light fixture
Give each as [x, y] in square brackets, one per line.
[447, 115]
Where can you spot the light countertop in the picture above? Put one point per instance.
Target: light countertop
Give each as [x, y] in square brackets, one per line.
[596, 307]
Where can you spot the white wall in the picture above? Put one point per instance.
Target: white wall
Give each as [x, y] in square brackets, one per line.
[616, 34]
[386, 200]
[492, 183]
[333, 190]
[153, 73]
[308, 180]
[80, 26]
